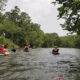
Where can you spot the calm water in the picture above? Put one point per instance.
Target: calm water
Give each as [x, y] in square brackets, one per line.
[40, 64]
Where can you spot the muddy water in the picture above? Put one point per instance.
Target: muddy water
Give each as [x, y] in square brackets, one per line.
[40, 64]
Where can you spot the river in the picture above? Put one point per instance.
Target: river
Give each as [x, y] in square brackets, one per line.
[40, 64]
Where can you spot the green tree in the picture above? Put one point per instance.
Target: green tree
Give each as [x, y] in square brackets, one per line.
[2, 3]
[77, 41]
[68, 41]
[69, 10]
[35, 35]
[13, 14]
[51, 39]
[20, 29]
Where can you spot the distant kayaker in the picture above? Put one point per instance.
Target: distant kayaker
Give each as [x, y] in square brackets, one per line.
[33, 47]
[26, 48]
[6, 46]
[13, 49]
[55, 50]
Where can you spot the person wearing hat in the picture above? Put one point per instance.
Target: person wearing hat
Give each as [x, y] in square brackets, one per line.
[55, 50]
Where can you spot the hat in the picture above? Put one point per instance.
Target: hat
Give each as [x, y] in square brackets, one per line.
[55, 47]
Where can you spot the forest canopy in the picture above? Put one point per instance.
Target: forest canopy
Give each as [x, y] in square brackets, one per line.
[17, 28]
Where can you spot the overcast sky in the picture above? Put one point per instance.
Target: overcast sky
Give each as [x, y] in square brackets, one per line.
[41, 12]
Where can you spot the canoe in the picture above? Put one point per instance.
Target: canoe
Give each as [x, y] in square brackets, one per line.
[59, 78]
[55, 53]
[1, 54]
[26, 50]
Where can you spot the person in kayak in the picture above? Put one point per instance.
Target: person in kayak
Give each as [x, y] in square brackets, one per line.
[26, 49]
[3, 50]
[55, 50]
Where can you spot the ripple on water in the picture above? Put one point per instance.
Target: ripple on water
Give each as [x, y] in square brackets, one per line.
[40, 64]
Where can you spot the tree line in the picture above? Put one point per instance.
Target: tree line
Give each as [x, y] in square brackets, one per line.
[17, 29]
[69, 10]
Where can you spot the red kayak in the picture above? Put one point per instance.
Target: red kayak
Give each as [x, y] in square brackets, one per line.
[59, 78]
[55, 53]
[26, 50]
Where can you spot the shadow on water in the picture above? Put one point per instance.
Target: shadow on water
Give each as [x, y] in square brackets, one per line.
[40, 64]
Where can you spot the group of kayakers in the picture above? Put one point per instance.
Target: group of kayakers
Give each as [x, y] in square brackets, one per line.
[3, 50]
[55, 50]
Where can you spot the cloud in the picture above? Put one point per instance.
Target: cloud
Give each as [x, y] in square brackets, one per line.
[42, 12]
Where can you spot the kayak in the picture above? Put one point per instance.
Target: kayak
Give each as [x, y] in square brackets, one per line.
[33, 48]
[26, 50]
[1, 54]
[55, 53]
[59, 78]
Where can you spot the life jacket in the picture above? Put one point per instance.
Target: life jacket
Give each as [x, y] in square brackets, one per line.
[55, 50]
[1, 48]
[26, 46]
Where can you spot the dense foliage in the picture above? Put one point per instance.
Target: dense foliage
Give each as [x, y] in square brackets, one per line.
[68, 41]
[17, 29]
[77, 41]
[51, 39]
[70, 12]
[2, 3]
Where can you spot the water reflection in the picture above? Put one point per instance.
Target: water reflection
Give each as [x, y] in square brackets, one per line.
[40, 64]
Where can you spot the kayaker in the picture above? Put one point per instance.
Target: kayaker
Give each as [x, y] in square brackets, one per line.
[55, 50]
[3, 50]
[6, 46]
[13, 49]
[26, 48]
[33, 47]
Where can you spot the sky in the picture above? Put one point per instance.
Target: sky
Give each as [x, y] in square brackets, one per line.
[41, 12]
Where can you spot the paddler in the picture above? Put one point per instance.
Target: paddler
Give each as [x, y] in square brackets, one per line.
[55, 50]
[26, 48]
[3, 50]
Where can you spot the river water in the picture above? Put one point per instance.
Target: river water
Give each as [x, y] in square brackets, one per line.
[40, 64]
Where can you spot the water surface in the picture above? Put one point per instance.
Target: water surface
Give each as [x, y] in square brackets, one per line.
[40, 64]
